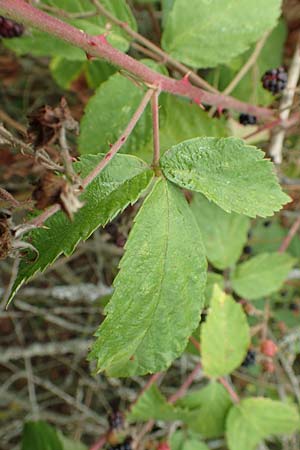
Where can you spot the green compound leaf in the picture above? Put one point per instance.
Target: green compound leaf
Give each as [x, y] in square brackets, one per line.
[230, 173]
[205, 33]
[255, 419]
[208, 408]
[159, 291]
[225, 336]
[38, 43]
[261, 275]
[224, 234]
[118, 185]
[153, 405]
[40, 436]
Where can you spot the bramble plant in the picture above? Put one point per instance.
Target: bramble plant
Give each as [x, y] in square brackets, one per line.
[156, 134]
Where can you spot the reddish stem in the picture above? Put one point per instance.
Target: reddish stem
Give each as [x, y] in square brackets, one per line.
[149, 383]
[99, 444]
[184, 387]
[270, 125]
[121, 141]
[229, 389]
[222, 380]
[23, 12]
[287, 240]
[195, 343]
[155, 126]
[39, 221]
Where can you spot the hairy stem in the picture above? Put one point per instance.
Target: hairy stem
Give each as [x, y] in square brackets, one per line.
[167, 59]
[98, 46]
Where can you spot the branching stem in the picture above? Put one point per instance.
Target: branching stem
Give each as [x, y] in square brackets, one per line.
[99, 47]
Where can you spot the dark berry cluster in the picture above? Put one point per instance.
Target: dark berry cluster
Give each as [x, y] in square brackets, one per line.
[247, 119]
[126, 445]
[9, 28]
[250, 359]
[275, 80]
[116, 420]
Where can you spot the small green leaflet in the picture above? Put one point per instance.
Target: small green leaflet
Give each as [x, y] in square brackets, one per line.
[204, 33]
[224, 234]
[208, 408]
[228, 172]
[153, 405]
[225, 336]
[184, 440]
[255, 419]
[118, 185]
[261, 275]
[40, 436]
[159, 291]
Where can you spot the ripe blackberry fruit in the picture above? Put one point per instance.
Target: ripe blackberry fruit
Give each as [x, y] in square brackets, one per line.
[275, 80]
[247, 119]
[9, 28]
[250, 359]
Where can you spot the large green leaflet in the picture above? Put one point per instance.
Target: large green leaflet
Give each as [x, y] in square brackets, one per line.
[255, 419]
[185, 120]
[208, 408]
[224, 234]
[225, 336]
[159, 291]
[205, 33]
[42, 44]
[227, 171]
[118, 185]
[261, 275]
